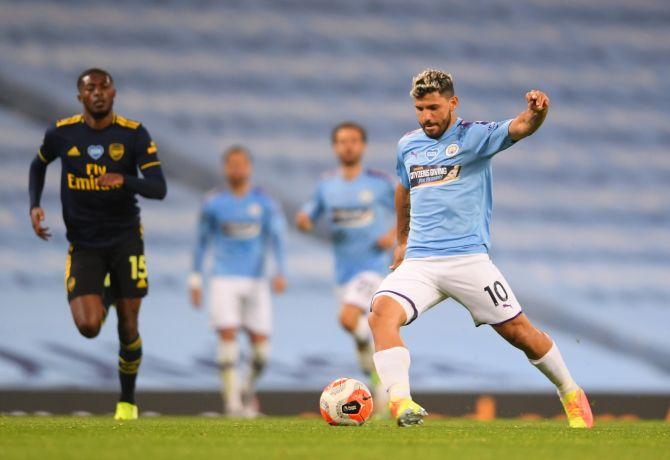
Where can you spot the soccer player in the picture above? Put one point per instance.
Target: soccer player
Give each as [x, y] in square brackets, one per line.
[443, 206]
[100, 154]
[357, 203]
[242, 222]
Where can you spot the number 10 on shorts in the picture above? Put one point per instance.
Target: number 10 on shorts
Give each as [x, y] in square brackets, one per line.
[498, 293]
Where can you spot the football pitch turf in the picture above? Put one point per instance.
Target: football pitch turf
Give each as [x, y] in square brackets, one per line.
[270, 438]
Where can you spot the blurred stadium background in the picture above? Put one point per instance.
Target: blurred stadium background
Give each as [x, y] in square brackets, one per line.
[581, 217]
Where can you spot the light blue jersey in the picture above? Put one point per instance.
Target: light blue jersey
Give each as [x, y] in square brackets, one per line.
[358, 213]
[450, 187]
[242, 229]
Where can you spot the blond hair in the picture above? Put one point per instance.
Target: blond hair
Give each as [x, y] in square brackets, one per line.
[431, 80]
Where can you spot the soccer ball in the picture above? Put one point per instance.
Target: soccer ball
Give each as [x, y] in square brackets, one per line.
[346, 402]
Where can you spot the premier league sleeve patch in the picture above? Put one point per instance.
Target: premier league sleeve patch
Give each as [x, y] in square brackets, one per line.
[432, 175]
[95, 151]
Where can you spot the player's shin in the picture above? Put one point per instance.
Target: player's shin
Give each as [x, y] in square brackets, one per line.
[130, 357]
[554, 368]
[227, 356]
[393, 368]
[260, 351]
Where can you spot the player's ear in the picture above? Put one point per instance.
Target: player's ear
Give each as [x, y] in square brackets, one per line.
[453, 102]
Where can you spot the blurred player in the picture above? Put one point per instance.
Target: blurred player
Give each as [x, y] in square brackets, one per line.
[443, 206]
[242, 222]
[101, 154]
[357, 203]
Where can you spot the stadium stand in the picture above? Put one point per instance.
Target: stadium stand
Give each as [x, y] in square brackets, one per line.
[581, 220]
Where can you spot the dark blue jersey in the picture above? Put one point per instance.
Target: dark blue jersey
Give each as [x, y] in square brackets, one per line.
[97, 216]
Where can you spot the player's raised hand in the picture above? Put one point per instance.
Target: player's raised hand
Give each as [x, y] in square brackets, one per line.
[398, 256]
[303, 222]
[279, 284]
[537, 101]
[36, 219]
[110, 180]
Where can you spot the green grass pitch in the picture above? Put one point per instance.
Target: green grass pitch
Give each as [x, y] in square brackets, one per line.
[270, 438]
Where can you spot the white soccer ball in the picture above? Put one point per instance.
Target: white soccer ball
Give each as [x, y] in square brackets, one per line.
[346, 402]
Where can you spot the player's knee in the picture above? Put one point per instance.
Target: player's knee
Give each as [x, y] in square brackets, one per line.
[348, 320]
[385, 313]
[88, 328]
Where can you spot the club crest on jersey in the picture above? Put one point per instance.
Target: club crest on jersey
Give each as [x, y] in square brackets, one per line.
[366, 196]
[431, 154]
[95, 151]
[254, 210]
[451, 150]
[116, 151]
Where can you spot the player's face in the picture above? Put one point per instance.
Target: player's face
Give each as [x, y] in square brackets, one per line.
[349, 146]
[237, 169]
[435, 112]
[96, 93]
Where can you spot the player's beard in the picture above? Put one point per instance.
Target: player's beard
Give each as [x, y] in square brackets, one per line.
[443, 128]
[99, 114]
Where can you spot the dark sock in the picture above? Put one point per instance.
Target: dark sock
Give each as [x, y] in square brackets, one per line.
[130, 357]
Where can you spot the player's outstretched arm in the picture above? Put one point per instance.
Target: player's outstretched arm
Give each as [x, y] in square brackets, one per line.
[402, 209]
[528, 121]
[38, 171]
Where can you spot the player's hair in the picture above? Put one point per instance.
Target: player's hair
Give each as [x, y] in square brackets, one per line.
[233, 149]
[348, 125]
[93, 71]
[431, 80]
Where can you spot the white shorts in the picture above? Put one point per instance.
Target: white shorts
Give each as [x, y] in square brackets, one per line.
[471, 279]
[359, 290]
[240, 302]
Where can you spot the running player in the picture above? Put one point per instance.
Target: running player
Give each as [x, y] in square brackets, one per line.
[358, 204]
[101, 153]
[443, 206]
[242, 222]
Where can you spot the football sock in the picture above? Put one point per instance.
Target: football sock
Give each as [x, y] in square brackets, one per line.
[553, 366]
[362, 331]
[228, 354]
[393, 369]
[260, 352]
[364, 350]
[130, 357]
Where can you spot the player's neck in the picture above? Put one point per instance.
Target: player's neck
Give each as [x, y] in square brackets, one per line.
[240, 189]
[98, 123]
[351, 172]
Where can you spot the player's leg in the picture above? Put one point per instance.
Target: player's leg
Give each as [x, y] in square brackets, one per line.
[544, 354]
[401, 298]
[257, 320]
[88, 313]
[476, 283]
[84, 275]
[225, 306]
[356, 298]
[129, 283]
[130, 354]
[228, 354]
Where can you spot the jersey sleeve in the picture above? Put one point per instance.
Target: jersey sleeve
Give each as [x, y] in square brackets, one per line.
[48, 151]
[314, 207]
[400, 169]
[206, 228]
[492, 138]
[146, 152]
